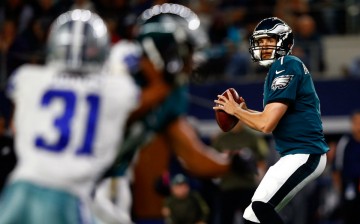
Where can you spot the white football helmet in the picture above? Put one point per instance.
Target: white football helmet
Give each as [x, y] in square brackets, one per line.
[78, 41]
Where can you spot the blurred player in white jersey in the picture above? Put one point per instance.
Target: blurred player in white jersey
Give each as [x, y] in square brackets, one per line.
[69, 119]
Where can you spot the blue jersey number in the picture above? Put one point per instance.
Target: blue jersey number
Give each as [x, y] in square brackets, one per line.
[63, 122]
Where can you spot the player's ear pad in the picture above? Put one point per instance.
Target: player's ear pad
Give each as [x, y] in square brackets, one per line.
[266, 213]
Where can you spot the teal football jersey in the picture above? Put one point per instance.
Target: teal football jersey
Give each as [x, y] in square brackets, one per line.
[174, 106]
[300, 129]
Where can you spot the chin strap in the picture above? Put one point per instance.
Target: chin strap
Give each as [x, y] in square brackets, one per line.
[266, 63]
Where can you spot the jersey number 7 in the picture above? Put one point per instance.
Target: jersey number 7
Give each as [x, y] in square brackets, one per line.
[63, 122]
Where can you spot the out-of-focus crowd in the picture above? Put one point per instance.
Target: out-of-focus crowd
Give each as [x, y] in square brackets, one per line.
[24, 25]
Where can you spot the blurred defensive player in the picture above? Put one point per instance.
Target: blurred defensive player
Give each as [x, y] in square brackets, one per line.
[69, 119]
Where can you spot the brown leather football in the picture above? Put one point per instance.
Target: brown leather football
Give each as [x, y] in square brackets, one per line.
[226, 121]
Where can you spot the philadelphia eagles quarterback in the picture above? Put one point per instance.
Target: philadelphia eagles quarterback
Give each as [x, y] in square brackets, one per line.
[291, 113]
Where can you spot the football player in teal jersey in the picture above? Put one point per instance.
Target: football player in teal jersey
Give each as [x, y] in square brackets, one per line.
[291, 113]
[168, 36]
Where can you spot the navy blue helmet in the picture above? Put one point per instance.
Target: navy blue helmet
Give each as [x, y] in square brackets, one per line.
[169, 34]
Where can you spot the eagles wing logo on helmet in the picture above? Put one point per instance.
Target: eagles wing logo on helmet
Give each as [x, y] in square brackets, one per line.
[281, 82]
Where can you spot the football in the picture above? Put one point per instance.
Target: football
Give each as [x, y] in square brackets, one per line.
[226, 121]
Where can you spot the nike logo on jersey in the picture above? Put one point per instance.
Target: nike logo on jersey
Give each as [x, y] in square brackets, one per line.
[281, 82]
[278, 72]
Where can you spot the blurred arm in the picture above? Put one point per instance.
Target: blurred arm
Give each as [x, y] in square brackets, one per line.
[155, 91]
[197, 157]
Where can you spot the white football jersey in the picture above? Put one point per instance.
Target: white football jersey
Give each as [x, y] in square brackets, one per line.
[67, 129]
